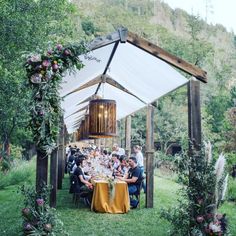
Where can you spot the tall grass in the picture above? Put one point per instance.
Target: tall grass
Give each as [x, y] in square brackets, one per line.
[21, 171]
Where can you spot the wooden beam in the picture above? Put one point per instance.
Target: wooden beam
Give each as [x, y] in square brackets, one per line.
[60, 155]
[150, 156]
[81, 109]
[128, 136]
[119, 35]
[88, 99]
[117, 85]
[167, 57]
[90, 83]
[194, 115]
[53, 177]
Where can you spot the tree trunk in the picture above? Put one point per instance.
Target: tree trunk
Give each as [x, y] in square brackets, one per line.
[6, 146]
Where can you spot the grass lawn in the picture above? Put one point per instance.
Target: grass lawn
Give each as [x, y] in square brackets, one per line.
[81, 221]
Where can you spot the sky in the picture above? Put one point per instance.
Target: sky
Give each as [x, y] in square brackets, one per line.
[215, 11]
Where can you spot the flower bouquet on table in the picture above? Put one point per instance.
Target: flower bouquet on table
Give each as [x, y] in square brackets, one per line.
[111, 187]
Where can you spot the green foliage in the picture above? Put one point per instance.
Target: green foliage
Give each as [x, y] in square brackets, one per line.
[45, 72]
[16, 152]
[232, 189]
[38, 218]
[165, 191]
[20, 172]
[198, 200]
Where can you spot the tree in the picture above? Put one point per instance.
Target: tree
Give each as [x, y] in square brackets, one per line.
[25, 26]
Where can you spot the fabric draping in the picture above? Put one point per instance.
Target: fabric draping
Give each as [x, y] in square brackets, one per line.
[143, 74]
[101, 201]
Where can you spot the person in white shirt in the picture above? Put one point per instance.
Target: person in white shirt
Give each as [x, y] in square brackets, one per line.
[139, 155]
[118, 150]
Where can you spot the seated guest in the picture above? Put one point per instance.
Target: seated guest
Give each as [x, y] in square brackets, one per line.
[133, 179]
[114, 164]
[123, 167]
[85, 186]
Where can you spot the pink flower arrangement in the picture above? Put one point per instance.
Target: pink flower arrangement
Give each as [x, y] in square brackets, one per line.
[200, 219]
[55, 67]
[46, 63]
[36, 78]
[40, 201]
[67, 52]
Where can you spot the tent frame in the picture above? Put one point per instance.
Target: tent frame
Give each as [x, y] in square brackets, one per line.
[122, 35]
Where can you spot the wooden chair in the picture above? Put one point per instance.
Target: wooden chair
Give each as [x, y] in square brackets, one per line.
[138, 192]
[75, 189]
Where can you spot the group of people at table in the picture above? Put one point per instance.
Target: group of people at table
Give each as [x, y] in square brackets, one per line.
[89, 165]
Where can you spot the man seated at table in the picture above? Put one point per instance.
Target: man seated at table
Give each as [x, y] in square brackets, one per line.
[86, 188]
[133, 179]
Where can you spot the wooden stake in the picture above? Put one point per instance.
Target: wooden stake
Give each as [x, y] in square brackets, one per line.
[194, 115]
[150, 156]
[60, 155]
[128, 136]
[41, 170]
[53, 177]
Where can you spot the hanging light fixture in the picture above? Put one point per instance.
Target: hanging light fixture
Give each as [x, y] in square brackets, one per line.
[102, 118]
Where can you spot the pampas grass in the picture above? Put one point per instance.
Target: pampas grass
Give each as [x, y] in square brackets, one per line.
[224, 187]
[208, 151]
[219, 167]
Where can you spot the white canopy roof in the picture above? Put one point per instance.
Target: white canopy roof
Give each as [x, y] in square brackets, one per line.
[141, 73]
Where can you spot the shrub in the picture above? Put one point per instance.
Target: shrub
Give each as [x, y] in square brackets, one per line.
[232, 189]
[16, 152]
[21, 171]
[38, 218]
[195, 214]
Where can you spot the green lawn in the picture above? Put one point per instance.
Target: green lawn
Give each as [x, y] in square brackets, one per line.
[81, 221]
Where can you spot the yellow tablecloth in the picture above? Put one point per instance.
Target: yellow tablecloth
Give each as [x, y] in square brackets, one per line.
[101, 201]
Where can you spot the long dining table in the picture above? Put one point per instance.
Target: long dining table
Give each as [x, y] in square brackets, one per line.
[104, 203]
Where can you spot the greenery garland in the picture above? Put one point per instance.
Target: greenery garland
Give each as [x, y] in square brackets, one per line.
[45, 72]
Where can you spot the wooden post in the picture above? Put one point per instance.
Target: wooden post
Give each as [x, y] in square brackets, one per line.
[41, 170]
[118, 138]
[150, 156]
[60, 155]
[64, 150]
[53, 177]
[194, 115]
[128, 136]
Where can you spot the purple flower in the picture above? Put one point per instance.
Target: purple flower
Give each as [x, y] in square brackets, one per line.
[36, 78]
[28, 226]
[67, 52]
[46, 63]
[49, 52]
[55, 67]
[59, 47]
[41, 113]
[200, 219]
[26, 211]
[35, 58]
[40, 201]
